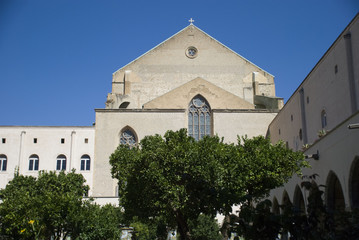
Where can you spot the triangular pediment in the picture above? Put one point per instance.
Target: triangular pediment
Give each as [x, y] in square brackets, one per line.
[187, 35]
[180, 97]
[170, 65]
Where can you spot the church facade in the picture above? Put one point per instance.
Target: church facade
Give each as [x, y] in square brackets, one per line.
[193, 81]
[190, 80]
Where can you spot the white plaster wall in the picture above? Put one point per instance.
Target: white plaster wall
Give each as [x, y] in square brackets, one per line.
[286, 129]
[48, 147]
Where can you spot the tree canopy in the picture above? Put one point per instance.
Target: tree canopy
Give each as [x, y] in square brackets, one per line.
[177, 178]
[52, 206]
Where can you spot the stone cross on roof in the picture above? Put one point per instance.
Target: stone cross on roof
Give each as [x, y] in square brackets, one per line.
[191, 21]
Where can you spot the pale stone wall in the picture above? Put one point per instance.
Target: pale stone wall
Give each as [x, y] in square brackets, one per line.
[167, 67]
[231, 124]
[180, 97]
[109, 124]
[19, 146]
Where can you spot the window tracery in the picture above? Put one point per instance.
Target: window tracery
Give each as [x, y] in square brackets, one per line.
[199, 118]
[128, 138]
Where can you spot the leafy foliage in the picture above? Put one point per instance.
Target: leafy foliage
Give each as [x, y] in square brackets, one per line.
[177, 178]
[52, 206]
[99, 222]
[205, 228]
[319, 222]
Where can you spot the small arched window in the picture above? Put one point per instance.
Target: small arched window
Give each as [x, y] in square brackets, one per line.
[199, 118]
[3, 162]
[85, 163]
[33, 162]
[324, 118]
[61, 162]
[128, 138]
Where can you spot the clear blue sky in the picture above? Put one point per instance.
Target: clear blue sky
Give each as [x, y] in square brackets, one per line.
[57, 56]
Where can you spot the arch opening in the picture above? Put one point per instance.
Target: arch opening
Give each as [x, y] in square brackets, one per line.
[298, 200]
[354, 184]
[334, 194]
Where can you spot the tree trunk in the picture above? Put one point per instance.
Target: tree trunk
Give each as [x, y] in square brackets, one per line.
[225, 227]
[182, 225]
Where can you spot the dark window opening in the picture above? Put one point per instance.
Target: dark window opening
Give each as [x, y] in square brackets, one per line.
[124, 105]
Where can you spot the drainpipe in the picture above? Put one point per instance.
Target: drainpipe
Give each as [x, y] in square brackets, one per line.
[71, 149]
[20, 150]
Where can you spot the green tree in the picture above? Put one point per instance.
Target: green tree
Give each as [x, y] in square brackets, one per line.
[98, 222]
[205, 228]
[177, 178]
[52, 206]
[42, 207]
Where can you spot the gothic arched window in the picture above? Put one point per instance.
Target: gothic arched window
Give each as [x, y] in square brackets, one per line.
[199, 118]
[128, 137]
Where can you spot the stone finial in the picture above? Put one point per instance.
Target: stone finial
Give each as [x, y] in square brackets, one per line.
[191, 21]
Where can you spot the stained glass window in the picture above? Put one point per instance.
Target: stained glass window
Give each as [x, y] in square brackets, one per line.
[199, 118]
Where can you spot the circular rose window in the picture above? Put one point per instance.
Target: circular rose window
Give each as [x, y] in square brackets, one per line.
[191, 52]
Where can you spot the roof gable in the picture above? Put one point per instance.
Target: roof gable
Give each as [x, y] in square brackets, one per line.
[189, 28]
[180, 97]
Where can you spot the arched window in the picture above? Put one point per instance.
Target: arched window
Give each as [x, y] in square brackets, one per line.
[61, 162]
[323, 118]
[199, 118]
[3, 162]
[334, 193]
[85, 163]
[128, 137]
[34, 163]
